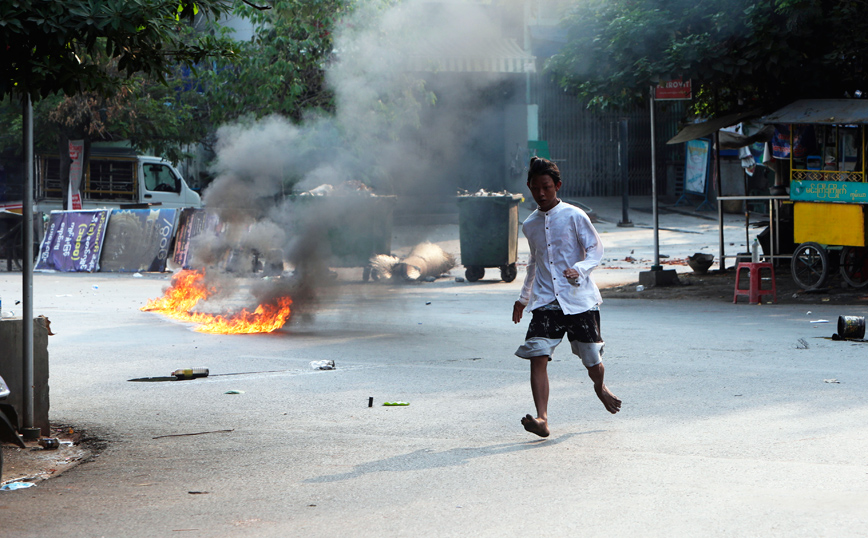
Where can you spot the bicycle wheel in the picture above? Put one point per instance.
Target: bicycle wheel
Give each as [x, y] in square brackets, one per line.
[810, 265]
[854, 266]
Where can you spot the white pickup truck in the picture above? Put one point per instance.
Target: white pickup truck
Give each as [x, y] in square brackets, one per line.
[114, 181]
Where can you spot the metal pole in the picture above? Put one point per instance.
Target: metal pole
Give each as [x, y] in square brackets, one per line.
[27, 272]
[656, 266]
[721, 265]
[625, 179]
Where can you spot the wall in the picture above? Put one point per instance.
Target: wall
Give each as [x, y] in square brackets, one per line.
[11, 368]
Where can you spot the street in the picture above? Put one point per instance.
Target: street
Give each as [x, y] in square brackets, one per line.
[727, 428]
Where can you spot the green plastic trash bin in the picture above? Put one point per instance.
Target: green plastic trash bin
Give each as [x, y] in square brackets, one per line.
[488, 232]
[360, 226]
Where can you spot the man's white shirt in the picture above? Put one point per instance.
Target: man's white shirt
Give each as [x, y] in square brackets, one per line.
[561, 238]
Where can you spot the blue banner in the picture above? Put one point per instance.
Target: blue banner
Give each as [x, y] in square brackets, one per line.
[138, 240]
[73, 241]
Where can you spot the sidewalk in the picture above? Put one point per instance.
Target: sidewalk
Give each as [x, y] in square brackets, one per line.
[628, 250]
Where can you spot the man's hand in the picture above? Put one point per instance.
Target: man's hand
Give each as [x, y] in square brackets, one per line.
[517, 311]
[572, 275]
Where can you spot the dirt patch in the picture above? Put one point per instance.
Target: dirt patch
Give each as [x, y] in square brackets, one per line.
[720, 286]
[34, 463]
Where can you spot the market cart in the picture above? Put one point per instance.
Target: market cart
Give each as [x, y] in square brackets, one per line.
[826, 142]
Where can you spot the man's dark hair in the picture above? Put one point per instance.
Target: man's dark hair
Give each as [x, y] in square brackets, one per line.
[543, 167]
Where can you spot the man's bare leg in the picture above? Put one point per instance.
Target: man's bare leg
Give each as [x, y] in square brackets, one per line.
[539, 386]
[612, 403]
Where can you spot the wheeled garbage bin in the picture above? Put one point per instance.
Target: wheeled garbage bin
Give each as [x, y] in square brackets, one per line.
[488, 232]
[358, 226]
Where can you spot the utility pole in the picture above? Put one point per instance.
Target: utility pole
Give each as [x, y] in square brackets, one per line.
[625, 177]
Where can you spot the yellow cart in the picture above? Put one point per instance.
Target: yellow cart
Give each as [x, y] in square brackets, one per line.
[828, 188]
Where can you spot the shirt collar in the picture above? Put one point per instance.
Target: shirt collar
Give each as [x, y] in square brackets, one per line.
[553, 210]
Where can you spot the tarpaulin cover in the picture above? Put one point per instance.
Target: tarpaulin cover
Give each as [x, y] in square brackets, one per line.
[138, 240]
[73, 241]
[191, 223]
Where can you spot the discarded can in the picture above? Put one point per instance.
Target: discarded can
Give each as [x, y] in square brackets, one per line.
[852, 327]
[190, 373]
[49, 443]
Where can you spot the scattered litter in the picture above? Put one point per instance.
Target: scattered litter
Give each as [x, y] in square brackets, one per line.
[197, 492]
[825, 299]
[429, 302]
[399, 403]
[803, 344]
[64, 295]
[808, 313]
[233, 391]
[640, 287]
[95, 287]
[429, 279]
[49, 443]
[323, 365]
[189, 434]
[190, 373]
[833, 380]
[459, 279]
[371, 401]
[137, 275]
[12, 486]
[819, 321]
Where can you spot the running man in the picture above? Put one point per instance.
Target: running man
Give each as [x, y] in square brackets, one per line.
[559, 291]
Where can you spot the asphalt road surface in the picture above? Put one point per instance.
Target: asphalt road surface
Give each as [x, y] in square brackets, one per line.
[727, 427]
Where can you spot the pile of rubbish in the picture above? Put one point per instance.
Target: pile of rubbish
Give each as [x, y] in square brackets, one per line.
[425, 262]
[483, 192]
[352, 186]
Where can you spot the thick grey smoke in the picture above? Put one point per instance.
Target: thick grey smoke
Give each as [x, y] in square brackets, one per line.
[403, 126]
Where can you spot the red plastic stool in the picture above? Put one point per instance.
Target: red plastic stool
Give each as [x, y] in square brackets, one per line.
[755, 291]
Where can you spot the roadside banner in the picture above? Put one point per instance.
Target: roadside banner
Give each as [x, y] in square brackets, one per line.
[73, 241]
[76, 155]
[138, 240]
[191, 223]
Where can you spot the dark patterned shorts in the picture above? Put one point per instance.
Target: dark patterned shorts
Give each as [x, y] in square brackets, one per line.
[548, 327]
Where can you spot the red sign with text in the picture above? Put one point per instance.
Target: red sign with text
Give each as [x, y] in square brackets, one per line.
[673, 90]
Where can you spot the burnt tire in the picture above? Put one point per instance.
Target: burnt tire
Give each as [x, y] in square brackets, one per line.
[810, 265]
[474, 273]
[508, 272]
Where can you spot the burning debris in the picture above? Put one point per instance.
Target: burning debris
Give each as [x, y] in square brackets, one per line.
[188, 289]
[425, 260]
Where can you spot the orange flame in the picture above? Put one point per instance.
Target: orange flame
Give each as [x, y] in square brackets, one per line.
[188, 289]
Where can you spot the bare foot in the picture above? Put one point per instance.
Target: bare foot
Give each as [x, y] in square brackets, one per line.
[612, 403]
[536, 425]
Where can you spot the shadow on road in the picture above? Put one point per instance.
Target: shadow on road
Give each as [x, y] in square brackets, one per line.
[428, 459]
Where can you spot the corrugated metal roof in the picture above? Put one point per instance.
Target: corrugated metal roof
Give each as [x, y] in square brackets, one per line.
[489, 56]
[693, 131]
[829, 111]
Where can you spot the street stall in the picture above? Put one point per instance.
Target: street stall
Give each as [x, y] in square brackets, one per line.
[821, 145]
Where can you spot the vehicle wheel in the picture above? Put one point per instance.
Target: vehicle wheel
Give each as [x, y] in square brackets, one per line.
[854, 266]
[810, 265]
[474, 273]
[508, 272]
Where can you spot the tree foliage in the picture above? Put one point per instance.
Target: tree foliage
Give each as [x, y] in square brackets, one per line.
[281, 70]
[48, 46]
[739, 54]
